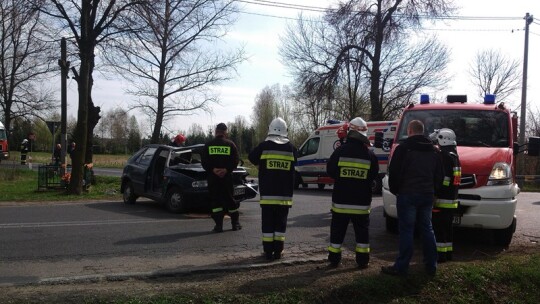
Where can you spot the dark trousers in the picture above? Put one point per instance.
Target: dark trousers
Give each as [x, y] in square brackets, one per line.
[274, 225]
[442, 226]
[338, 228]
[23, 158]
[222, 199]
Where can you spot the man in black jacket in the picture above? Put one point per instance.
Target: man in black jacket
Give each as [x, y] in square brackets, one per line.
[219, 159]
[414, 175]
[275, 158]
[353, 166]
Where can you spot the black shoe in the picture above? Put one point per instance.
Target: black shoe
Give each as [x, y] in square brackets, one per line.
[442, 258]
[269, 256]
[391, 270]
[430, 271]
[277, 255]
[449, 256]
[236, 226]
[217, 229]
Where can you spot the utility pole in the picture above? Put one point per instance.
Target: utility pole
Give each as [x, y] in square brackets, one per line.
[64, 66]
[528, 20]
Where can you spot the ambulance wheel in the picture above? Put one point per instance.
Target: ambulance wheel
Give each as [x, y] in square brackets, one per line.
[503, 237]
[320, 186]
[376, 186]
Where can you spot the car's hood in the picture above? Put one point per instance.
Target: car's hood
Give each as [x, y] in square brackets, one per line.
[480, 161]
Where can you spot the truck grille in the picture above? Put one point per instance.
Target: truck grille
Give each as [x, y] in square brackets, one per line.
[467, 181]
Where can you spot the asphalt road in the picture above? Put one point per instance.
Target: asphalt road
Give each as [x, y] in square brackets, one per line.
[77, 241]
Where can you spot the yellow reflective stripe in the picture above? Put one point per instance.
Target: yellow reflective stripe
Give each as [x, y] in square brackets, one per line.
[219, 150]
[233, 210]
[273, 155]
[279, 238]
[350, 211]
[360, 165]
[444, 203]
[267, 239]
[362, 248]
[276, 202]
[446, 181]
[217, 210]
[334, 250]
[444, 247]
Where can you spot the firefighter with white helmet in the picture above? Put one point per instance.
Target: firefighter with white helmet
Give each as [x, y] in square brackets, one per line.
[446, 202]
[353, 166]
[275, 158]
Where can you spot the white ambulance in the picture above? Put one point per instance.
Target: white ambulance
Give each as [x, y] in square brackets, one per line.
[316, 150]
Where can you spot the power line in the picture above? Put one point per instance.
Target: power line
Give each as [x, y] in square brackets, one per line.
[320, 9]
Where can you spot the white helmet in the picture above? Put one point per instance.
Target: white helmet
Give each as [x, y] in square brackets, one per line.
[359, 125]
[25, 141]
[446, 137]
[278, 126]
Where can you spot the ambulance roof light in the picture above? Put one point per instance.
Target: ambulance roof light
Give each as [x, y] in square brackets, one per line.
[424, 99]
[489, 99]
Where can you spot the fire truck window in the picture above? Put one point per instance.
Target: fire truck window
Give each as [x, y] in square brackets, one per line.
[310, 147]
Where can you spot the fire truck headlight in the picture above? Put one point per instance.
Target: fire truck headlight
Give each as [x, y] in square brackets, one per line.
[501, 174]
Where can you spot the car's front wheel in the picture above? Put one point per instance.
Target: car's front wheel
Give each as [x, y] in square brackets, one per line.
[129, 194]
[175, 200]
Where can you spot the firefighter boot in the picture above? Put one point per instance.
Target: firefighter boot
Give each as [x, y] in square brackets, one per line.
[362, 260]
[235, 221]
[218, 219]
[334, 258]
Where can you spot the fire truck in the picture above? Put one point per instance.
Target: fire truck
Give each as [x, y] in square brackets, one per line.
[487, 146]
[317, 149]
[4, 150]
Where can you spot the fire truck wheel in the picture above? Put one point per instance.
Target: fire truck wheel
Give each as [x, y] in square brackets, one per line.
[503, 237]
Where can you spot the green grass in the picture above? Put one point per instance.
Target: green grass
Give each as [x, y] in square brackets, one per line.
[21, 185]
[506, 279]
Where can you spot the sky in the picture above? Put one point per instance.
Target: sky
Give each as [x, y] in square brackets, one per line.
[259, 28]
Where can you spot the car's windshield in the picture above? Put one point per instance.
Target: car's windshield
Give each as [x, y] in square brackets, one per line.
[3, 134]
[185, 157]
[475, 128]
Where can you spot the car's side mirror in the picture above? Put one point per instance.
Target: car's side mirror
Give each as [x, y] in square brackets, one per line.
[379, 140]
[533, 146]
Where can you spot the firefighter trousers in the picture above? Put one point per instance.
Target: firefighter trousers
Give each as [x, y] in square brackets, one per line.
[274, 225]
[222, 200]
[442, 226]
[338, 228]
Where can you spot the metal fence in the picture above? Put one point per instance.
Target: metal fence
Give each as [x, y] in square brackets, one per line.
[50, 177]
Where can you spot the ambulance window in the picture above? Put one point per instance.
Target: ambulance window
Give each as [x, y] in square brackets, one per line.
[310, 147]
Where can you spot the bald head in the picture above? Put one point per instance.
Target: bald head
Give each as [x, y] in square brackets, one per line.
[415, 127]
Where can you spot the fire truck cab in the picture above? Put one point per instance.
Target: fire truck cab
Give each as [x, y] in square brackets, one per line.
[4, 149]
[487, 147]
[317, 149]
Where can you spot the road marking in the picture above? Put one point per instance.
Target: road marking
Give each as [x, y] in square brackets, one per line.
[83, 223]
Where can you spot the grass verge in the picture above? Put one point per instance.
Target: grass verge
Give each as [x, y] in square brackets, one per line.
[509, 278]
[21, 185]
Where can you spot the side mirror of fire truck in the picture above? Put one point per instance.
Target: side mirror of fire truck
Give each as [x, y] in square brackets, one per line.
[533, 146]
[379, 140]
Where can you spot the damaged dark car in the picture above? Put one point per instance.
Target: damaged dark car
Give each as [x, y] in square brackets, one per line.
[174, 177]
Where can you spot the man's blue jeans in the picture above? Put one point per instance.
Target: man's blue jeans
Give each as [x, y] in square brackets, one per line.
[415, 209]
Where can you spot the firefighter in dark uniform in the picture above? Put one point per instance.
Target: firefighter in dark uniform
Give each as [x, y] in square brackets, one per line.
[275, 158]
[446, 201]
[219, 159]
[25, 146]
[353, 166]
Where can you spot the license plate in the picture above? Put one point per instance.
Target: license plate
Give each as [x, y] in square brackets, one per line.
[456, 220]
[239, 191]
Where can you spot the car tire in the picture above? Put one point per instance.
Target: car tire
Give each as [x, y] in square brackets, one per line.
[175, 200]
[376, 186]
[320, 186]
[129, 196]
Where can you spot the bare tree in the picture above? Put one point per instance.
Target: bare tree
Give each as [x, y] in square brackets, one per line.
[173, 60]
[90, 24]
[25, 59]
[265, 110]
[361, 33]
[494, 73]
